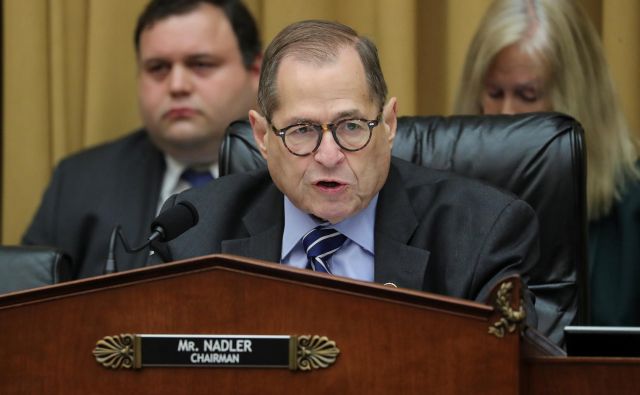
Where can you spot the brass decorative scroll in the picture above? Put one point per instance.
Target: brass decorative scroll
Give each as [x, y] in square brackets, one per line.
[315, 352]
[117, 352]
[510, 316]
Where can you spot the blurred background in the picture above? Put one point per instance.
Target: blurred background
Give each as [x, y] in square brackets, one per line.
[69, 70]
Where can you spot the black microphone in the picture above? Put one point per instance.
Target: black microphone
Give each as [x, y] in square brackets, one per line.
[170, 224]
[173, 222]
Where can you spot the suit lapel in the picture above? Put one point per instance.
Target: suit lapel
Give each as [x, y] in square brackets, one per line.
[395, 260]
[136, 199]
[265, 225]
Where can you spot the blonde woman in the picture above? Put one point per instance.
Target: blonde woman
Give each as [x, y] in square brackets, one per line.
[544, 55]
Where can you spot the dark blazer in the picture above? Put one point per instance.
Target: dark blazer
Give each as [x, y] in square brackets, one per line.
[434, 231]
[614, 261]
[94, 190]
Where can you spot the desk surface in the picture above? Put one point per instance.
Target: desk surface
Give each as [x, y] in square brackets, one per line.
[580, 375]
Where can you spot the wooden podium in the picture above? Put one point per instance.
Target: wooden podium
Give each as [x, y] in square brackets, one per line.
[389, 340]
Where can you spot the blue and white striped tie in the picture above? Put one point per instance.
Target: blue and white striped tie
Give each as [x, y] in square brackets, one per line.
[320, 244]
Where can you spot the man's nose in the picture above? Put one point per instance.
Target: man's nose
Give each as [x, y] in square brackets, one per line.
[329, 153]
[179, 81]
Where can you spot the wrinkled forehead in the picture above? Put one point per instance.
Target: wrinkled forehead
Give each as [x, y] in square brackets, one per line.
[336, 83]
[333, 76]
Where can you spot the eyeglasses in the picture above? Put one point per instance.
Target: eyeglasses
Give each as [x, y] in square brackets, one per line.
[351, 135]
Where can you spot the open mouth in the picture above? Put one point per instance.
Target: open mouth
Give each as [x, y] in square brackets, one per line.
[329, 184]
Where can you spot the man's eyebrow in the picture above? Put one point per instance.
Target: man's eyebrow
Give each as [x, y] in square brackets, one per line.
[198, 56]
[155, 62]
[155, 59]
[341, 115]
[294, 121]
[348, 114]
[189, 57]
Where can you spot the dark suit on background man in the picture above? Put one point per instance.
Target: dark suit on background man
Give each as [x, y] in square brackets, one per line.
[198, 68]
[92, 191]
[435, 231]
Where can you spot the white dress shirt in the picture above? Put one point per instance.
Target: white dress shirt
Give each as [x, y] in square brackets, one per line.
[172, 183]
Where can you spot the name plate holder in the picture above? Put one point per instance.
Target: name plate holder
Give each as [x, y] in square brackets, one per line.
[131, 351]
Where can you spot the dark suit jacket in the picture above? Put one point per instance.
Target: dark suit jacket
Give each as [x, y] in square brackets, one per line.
[434, 231]
[614, 257]
[94, 190]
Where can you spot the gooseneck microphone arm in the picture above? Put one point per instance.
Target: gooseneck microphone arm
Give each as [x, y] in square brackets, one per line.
[110, 265]
[170, 224]
[116, 233]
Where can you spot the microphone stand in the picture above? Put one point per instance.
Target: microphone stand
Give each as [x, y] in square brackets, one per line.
[116, 233]
[167, 226]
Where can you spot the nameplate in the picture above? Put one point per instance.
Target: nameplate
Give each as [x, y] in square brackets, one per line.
[129, 351]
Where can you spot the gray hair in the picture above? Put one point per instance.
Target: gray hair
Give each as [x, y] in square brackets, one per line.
[318, 42]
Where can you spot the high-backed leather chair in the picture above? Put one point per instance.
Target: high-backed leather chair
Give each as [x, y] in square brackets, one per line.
[539, 157]
[24, 267]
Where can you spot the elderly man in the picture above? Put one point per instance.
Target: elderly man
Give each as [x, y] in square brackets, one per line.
[333, 199]
[198, 70]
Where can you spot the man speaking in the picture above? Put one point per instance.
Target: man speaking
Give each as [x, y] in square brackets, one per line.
[333, 200]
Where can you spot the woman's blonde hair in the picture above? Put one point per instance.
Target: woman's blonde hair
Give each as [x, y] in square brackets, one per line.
[559, 34]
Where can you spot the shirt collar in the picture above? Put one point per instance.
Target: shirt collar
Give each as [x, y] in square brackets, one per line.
[171, 183]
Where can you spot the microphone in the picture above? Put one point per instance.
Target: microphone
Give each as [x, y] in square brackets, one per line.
[170, 224]
[173, 222]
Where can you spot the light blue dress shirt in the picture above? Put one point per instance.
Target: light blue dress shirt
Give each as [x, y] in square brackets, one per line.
[354, 259]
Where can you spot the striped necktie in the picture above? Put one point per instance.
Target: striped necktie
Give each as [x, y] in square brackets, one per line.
[320, 244]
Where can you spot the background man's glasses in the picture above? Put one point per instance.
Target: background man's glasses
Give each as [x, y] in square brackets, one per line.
[302, 139]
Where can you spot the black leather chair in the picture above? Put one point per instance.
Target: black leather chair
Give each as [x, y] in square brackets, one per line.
[539, 157]
[24, 267]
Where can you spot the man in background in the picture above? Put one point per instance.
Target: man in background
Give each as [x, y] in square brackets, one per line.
[198, 70]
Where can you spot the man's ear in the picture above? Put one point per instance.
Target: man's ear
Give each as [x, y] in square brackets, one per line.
[254, 70]
[260, 128]
[390, 118]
